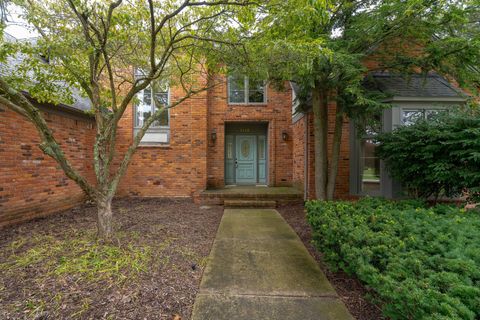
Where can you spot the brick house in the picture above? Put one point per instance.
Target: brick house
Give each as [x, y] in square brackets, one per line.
[241, 132]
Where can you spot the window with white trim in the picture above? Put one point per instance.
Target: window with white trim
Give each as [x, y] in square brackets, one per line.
[149, 100]
[244, 90]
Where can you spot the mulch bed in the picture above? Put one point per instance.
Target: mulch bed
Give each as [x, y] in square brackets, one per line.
[350, 290]
[165, 290]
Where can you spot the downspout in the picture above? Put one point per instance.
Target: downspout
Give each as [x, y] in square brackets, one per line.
[305, 160]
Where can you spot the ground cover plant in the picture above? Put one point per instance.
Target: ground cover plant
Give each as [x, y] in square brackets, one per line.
[56, 268]
[421, 262]
[348, 287]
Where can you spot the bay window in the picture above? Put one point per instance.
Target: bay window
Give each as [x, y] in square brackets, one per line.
[368, 178]
[368, 175]
[369, 167]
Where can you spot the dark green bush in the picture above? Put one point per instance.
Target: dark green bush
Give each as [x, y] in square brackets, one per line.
[422, 263]
[436, 157]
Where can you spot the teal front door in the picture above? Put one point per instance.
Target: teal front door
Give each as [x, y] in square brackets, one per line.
[246, 159]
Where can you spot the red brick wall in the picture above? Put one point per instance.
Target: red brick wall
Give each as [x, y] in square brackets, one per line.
[31, 183]
[178, 169]
[342, 182]
[298, 174]
[277, 112]
[384, 55]
[191, 161]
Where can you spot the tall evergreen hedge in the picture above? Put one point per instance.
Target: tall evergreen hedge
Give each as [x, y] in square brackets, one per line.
[436, 157]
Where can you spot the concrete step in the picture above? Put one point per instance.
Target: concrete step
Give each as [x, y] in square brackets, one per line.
[250, 204]
[281, 195]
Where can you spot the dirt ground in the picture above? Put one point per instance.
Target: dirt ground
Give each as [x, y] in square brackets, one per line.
[349, 289]
[177, 233]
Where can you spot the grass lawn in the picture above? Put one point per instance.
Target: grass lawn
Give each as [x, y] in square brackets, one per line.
[54, 268]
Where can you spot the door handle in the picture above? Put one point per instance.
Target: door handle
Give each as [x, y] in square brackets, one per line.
[236, 163]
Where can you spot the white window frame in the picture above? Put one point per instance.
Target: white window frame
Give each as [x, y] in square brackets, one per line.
[153, 132]
[246, 92]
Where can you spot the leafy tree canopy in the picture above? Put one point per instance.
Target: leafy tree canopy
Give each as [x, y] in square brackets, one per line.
[167, 39]
[94, 46]
[327, 41]
[324, 47]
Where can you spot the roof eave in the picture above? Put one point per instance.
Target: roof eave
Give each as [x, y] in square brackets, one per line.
[459, 99]
[60, 107]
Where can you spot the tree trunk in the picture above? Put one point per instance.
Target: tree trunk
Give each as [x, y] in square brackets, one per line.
[336, 144]
[104, 217]
[320, 124]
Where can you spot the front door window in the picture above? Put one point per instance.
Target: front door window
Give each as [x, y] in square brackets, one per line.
[262, 159]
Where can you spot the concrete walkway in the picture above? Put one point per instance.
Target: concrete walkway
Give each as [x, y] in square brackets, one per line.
[260, 269]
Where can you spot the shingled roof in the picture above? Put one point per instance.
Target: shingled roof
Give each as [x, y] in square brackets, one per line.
[431, 85]
[80, 103]
[412, 87]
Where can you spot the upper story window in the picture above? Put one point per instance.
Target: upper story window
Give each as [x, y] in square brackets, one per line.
[148, 102]
[244, 90]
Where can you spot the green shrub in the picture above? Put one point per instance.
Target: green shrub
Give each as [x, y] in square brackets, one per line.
[435, 157]
[422, 263]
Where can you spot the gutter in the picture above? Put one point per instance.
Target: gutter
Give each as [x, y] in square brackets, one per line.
[426, 99]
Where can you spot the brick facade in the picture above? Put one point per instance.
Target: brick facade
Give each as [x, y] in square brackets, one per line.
[300, 173]
[31, 183]
[191, 162]
[300, 144]
[178, 169]
[277, 112]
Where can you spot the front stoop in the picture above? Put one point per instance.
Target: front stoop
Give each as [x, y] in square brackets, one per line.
[259, 197]
[259, 269]
[249, 204]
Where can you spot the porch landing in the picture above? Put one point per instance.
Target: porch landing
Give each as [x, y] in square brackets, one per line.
[251, 196]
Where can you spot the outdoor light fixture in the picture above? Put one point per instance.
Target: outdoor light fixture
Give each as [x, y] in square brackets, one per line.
[284, 135]
[214, 135]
